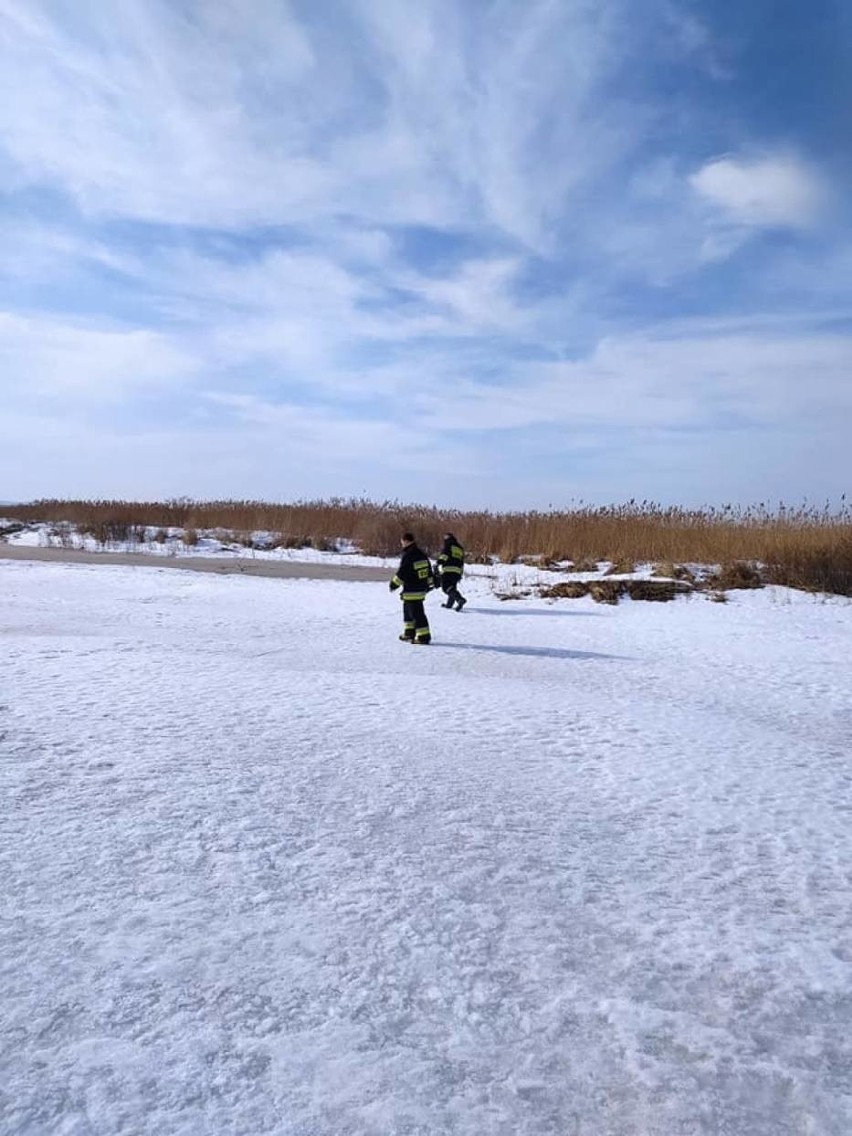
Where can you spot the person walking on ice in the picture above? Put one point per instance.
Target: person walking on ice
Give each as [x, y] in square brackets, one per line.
[451, 567]
[414, 576]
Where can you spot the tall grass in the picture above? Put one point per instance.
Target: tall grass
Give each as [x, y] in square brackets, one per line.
[807, 546]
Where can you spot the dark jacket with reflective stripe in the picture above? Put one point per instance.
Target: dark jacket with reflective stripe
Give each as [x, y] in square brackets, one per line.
[414, 574]
[451, 558]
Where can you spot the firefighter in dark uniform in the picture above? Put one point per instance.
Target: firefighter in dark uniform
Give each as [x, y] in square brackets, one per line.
[450, 568]
[414, 576]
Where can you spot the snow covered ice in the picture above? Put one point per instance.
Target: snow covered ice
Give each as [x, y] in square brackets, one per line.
[573, 869]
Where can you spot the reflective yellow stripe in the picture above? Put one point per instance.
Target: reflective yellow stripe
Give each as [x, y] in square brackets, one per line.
[414, 595]
[450, 570]
[396, 580]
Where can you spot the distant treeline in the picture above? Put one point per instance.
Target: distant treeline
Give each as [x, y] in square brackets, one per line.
[806, 547]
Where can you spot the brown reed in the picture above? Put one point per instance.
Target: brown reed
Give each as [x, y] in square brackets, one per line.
[806, 546]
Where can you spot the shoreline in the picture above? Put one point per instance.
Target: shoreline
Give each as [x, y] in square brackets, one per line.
[240, 566]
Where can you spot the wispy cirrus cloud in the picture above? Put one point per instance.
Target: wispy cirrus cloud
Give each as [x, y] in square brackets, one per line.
[353, 243]
[264, 113]
[142, 112]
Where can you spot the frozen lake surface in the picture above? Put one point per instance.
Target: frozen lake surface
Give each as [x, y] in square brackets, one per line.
[571, 869]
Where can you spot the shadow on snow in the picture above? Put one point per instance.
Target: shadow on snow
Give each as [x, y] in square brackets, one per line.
[532, 611]
[535, 652]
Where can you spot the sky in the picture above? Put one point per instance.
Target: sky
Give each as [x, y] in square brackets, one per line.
[501, 253]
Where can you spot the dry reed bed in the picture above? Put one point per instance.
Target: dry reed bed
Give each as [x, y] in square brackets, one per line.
[803, 547]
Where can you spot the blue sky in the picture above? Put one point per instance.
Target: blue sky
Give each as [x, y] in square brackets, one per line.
[504, 253]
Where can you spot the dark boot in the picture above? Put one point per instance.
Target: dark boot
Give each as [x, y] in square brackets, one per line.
[460, 602]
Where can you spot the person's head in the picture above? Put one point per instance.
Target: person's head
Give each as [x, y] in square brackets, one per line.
[449, 536]
[406, 539]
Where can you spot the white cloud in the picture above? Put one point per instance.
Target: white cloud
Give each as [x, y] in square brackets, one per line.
[309, 333]
[46, 356]
[268, 451]
[145, 112]
[745, 413]
[765, 192]
[475, 297]
[232, 114]
[344, 440]
[648, 382]
[307, 312]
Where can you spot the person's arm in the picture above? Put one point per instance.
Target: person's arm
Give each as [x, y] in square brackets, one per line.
[396, 579]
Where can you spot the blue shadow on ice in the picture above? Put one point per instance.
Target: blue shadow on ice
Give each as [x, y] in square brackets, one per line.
[528, 611]
[540, 652]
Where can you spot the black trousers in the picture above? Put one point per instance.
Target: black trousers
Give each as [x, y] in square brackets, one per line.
[450, 585]
[415, 623]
